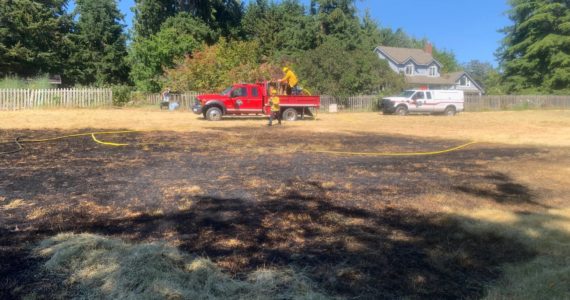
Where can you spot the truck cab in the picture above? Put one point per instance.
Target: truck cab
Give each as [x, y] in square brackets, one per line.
[448, 102]
[250, 99]
[237, 99]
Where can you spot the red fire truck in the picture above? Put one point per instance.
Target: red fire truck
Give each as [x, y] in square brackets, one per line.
[252, 99]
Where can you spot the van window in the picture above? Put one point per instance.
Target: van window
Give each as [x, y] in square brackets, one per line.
[428, 95]
[255, 92]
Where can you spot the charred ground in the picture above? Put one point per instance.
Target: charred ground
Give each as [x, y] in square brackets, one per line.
[360, 227]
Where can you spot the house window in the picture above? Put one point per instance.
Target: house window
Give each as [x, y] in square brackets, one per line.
[410, 69]
[464, 81]
[432, 71]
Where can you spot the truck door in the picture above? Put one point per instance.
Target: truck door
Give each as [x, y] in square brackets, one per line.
[237, 98]
[419, 102]
[254, 100]
[429, 103]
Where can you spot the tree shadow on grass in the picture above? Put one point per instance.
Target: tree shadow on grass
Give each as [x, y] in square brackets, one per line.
[347, 251]
[505, 190]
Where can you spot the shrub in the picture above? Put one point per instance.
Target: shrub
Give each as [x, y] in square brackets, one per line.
[121, 94]
[217, 67]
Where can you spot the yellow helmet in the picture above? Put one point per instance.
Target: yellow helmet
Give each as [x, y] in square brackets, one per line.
[273, 91]
[285, 69]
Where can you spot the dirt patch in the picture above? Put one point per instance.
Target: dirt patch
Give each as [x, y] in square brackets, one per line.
[369, 227]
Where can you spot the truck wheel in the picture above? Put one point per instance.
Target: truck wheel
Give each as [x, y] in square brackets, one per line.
[401, 110]
[290, 114]
[214, 114]
[450, 111]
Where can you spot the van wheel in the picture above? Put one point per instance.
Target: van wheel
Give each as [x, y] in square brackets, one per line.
[401, 111]
[214, 114]
[290, 114]
[450, 111]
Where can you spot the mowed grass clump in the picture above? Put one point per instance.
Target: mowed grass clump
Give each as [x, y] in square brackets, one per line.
[105, 268]
[547, 276]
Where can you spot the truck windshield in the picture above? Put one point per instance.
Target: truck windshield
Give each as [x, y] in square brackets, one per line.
[227, 91]
[406, 94]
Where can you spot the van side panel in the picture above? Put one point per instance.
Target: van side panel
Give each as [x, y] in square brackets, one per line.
[444, 98]
[440, 100]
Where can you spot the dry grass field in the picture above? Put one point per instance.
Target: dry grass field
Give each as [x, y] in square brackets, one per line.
[233, 209]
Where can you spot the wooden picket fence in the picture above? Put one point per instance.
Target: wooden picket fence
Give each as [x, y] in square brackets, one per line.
[515, 102]
[185, 100]
[361, 103]
[16, 99]
[472, 103]
[344, 104]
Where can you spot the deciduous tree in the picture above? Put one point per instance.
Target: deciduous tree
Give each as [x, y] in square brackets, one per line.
[333, 70]
[179, 36]
[218, 66]
[479, 71]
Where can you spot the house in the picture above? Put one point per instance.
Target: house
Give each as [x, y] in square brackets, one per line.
[422, 70]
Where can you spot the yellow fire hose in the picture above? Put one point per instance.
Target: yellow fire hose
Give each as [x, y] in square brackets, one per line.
[396, 153]
[18, 141]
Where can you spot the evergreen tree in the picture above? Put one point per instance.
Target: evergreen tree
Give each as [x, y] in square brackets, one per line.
[33, 37]
[280, 28]
[371, 32]
[223, 16]
[535, 54]
[150, 14]
[338, 18]
[328, 6]
[100, 44]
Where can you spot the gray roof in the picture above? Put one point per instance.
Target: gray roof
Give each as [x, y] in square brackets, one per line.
[402, 55]
[449, 78]
[445, 79]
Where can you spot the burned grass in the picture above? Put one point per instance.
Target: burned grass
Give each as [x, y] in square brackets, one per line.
[365, 227]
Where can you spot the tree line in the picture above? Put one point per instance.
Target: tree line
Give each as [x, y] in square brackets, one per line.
[204, 45]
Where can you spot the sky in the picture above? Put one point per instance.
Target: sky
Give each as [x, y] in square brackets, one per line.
[468, 28]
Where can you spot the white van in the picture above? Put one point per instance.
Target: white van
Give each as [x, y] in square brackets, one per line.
[448, 102]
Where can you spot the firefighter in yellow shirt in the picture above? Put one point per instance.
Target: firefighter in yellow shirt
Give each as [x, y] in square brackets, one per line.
[291, 80]
[275, 108]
